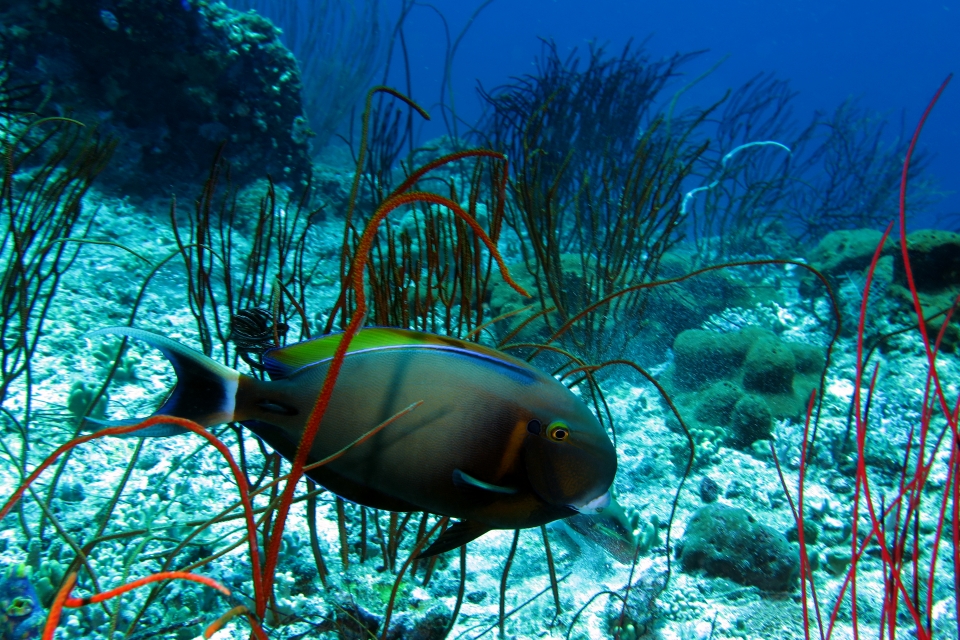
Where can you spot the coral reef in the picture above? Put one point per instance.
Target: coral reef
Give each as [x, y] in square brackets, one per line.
[935, 259]
[340, 47]
[159, 529]
[173, 80]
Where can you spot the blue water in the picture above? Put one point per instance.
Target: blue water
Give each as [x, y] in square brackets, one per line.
[890, 54]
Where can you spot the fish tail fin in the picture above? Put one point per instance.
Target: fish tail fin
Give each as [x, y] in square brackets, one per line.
[205, 391]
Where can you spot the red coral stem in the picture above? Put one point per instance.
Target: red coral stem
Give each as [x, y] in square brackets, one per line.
[73, 603]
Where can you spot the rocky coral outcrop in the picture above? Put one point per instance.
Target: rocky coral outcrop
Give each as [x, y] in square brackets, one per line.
[727, 542]
[934, 256]
[173, 80]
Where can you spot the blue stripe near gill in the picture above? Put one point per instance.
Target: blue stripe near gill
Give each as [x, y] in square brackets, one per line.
[286, 361]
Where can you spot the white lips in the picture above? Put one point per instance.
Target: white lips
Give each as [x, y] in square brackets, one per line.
[596, 505]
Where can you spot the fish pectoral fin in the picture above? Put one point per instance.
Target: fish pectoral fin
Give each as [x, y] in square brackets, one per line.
[457, 535]
[462, 479]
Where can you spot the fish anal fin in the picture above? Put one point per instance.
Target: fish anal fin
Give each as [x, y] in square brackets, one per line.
[463, 479]
[455, 536]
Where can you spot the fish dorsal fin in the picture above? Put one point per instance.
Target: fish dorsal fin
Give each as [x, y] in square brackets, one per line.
[285, 361]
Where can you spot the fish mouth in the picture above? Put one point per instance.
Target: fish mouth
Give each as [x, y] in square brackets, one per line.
[594, 506]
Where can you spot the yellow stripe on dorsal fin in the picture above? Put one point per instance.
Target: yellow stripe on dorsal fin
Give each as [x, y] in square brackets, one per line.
[283, 362]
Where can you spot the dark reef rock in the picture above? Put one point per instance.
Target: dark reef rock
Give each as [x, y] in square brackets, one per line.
[935, 260]
[729, 543]
[709, 490]
[739, 382]
[410, 626]
[172, 79]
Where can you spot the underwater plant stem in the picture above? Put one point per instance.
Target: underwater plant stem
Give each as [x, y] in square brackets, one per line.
[552, 568]
[74, 603]
[412, 179]
[361, 158]
[442, 522]
[363, 534]
[56, 609]
[907, 268]
[806, 572]
[460, 589]
[160, 419]
[520, 607]
[503, 578]
[340, 306]
[342, 532]
[219, 623]
[889, 561]
[889, 516]
[956, 530]
[322, 570]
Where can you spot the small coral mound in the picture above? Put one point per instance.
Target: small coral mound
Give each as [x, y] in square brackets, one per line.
[727, 542]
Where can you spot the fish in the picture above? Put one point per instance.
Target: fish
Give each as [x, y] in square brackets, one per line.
[495, 442]
[613, 530]
[21, 614]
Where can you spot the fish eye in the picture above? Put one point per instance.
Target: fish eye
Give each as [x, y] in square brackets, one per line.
[558, 431]
[534, 427]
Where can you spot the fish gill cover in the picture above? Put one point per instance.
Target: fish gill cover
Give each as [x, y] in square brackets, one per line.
[596, 225]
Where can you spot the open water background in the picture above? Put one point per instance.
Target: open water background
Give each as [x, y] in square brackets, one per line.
[890, 54]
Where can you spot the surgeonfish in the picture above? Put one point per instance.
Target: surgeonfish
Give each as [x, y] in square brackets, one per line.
[496, 443]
